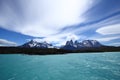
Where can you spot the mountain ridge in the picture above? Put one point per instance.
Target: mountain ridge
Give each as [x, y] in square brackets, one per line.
[42, 48]
[70, 45]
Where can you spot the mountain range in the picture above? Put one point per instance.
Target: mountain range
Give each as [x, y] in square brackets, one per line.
[70, 45]
[43, 48]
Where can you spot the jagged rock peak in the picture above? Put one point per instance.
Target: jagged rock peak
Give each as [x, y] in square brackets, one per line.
[84, 44]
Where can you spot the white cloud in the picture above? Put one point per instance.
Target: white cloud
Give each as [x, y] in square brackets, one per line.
[59, 39]
[115, 44]
[4, 42]
[42, 18]
[72, 36]
[111, 29]
[107, 38]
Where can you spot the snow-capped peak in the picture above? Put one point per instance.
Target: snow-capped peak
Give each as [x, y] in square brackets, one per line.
[34, 43]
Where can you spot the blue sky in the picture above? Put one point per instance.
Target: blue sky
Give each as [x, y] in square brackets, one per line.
[57, 21]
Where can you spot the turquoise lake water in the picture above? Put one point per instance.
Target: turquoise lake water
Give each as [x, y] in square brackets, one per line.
[85, 66]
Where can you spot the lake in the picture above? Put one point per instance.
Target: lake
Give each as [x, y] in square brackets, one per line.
[77, 66]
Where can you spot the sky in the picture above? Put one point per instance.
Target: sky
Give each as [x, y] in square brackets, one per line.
[57, 21]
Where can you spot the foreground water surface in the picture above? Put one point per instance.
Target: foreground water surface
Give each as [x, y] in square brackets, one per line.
[85, 66]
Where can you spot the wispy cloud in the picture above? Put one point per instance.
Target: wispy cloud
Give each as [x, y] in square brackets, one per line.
[4, 42]
[59, 39]
[111, 29]
[42, 18]
[115, 44]
[107, 38]
[108, 20]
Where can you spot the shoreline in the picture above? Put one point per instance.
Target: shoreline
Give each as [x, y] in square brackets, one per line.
[54, 51]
